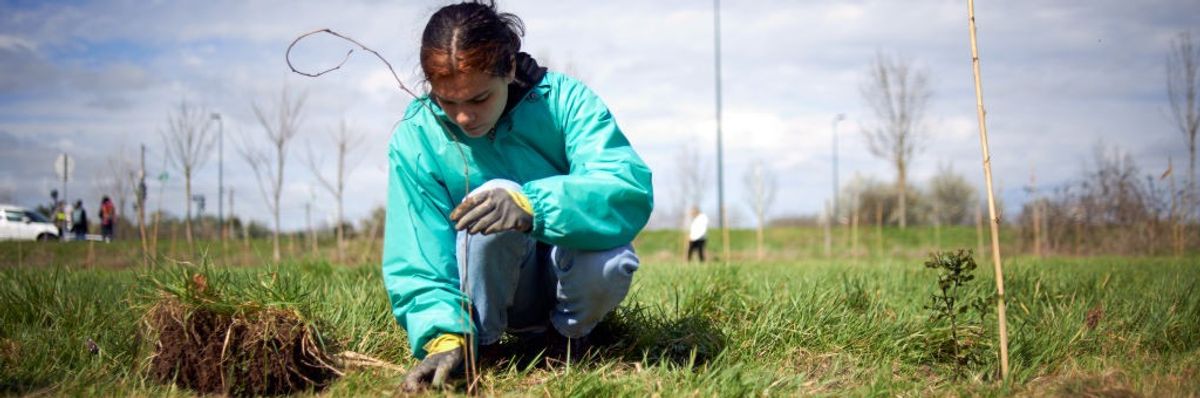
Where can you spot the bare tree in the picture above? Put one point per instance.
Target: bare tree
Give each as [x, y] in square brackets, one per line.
[189, 141]
[279, 127]
[119, 180]
[1183, 79]
[952, 196]
[897, 93]
[690, 187]
[346, 142]
[760, 185]
[692, 184]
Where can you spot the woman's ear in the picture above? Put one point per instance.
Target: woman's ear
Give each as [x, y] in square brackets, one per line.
[512, 72]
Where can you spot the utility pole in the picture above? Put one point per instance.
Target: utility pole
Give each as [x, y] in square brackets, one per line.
[141, 205]
[231, 213]
[220, 175]
[720, 157]
[64, 165]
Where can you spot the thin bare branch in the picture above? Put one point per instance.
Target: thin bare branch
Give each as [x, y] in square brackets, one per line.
[288, 57]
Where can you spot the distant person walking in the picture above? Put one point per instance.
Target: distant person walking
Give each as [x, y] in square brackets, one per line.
[698, 235]
[79, 221]
[108, 216]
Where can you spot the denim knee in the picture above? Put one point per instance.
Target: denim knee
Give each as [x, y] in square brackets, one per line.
[489, 270]
[590, 285]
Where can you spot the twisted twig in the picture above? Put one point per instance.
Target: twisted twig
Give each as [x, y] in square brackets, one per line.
[287, 56]
[472, 373]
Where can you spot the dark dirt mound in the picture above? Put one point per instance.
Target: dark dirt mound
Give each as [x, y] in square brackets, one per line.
[258, 352]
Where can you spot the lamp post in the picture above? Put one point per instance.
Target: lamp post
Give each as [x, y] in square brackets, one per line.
[720, 150]
[836, 119]
[220, 175]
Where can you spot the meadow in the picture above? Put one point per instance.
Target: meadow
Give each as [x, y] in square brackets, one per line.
[795, 322]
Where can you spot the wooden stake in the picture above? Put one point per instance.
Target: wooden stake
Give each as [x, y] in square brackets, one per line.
[987, 173]
[879, 227]
[725, 235]
[1176, 232]
[937, 225]
[979, 227]
[854, 231]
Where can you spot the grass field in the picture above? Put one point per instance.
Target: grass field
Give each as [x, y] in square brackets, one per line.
[793, 324]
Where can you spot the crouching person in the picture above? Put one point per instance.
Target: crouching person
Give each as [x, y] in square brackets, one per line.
[512, 199]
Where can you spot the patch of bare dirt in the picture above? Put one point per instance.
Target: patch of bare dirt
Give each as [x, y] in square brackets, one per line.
[264, 352]
[824, 372]
[1112, 384]
[1094, 316]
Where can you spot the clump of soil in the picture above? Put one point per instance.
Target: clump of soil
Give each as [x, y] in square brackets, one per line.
[250, 351]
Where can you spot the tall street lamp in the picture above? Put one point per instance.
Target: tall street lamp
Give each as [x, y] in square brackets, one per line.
[220, 175]
[720, 149]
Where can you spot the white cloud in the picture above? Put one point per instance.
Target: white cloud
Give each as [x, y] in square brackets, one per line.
[10, 42]
[1057, 77]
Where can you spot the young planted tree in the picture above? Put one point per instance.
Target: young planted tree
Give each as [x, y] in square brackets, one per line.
[1183, 82]
[897, 93]
[120, 178]
[279, 127]
[760, 186]
[954, 196]
[346, 142]
[690, 187]
[693, 180]
[189, 141]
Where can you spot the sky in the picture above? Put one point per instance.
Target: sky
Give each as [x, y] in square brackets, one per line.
[97, 79]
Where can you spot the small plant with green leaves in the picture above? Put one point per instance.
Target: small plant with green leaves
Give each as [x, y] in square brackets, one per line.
[956, 336]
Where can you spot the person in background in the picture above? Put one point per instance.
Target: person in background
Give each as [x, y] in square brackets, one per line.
[697, 233]
[108, 216]
[79, 221]
[60, 218]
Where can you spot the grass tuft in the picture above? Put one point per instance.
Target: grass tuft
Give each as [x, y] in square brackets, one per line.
[208, 338]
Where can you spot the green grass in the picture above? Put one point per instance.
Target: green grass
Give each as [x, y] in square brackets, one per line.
[789, 325]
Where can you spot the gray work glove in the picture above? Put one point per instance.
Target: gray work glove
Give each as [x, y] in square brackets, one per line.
[435, 368]
[496, 206]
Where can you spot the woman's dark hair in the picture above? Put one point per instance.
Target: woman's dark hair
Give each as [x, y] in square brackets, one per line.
[470, 37]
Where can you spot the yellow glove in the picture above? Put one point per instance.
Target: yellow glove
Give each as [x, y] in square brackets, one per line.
[444, 356]
[443, 343]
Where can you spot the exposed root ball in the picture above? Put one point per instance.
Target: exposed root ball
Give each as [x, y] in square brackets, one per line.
[258, 352]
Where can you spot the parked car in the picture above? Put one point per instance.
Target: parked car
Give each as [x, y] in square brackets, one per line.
[18, 223]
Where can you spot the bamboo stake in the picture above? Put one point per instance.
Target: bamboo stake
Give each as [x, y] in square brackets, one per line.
[1173, 214]
[1037, 217]
[854, 231]
[879, 227]
[979, 228]
[987, 173]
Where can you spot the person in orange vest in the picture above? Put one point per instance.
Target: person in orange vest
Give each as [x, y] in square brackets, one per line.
[108, 217]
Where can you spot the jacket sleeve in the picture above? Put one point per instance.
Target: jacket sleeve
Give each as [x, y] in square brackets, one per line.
[606, 198]
[419, 267]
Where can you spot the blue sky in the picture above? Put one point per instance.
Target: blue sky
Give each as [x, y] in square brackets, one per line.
[96, 80]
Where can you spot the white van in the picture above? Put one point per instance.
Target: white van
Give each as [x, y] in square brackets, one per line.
[17, 223]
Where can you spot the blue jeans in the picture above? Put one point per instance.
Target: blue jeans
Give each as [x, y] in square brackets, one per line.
[519, 284]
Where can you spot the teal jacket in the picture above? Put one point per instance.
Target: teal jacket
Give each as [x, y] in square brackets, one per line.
[588, 188]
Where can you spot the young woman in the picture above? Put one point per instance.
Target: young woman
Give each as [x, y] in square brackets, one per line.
[512, 198]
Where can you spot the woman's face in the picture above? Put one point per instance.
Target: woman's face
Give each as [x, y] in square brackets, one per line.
[473, 100]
